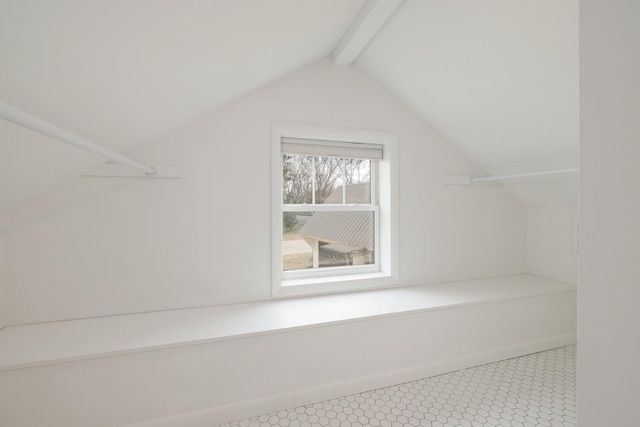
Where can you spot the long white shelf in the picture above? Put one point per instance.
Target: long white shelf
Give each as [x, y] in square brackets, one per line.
[57, 342]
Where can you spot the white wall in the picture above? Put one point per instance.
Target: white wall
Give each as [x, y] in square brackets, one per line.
[3, 309]
[104, 246]
[608, 314]
[550, 243]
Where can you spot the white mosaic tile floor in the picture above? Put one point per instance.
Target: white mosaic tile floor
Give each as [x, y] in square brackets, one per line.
[534, 390]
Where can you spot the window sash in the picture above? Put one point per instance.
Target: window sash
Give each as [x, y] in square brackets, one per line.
[373, 188]
[342, 270]
[339, 149]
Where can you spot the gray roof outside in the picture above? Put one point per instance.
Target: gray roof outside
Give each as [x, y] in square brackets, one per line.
[351, 228]
[354, 193]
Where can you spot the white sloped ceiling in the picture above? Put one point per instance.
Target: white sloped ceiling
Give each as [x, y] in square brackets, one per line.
[122, 73]
[497, 78]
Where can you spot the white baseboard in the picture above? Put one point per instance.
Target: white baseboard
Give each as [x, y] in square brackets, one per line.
[266, 404]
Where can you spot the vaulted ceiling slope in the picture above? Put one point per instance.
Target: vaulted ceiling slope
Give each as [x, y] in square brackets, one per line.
[497, 78]
[122, 73]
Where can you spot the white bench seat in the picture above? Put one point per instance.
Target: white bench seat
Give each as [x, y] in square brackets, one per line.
[57, 342]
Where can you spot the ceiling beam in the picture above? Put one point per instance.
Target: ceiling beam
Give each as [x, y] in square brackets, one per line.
[370, 19]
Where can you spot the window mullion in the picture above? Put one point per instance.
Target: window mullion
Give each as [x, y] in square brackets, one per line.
[313, 180]
[344, 181]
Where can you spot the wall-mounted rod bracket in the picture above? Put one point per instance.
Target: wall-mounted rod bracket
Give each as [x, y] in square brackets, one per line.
[28, 121]
[116, 170]
[465, 180]
[493, 180]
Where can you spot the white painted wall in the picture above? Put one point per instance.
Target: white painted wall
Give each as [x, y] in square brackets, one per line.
[101, 246]
[3, 309]
[608, 317]
[550, 243]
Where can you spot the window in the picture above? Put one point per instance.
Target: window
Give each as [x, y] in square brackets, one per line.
[333, 213]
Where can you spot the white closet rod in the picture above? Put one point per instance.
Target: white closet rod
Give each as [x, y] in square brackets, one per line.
[23, 119]
[474, 179]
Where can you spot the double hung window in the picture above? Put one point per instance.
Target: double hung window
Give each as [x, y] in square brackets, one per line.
[329, 212]
[330, 208]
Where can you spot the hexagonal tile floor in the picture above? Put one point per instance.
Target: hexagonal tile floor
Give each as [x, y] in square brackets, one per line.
[534, 390]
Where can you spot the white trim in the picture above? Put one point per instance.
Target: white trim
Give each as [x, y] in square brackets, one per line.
[294, 398]
[328, 274]
[327, 207]
[387, 273]
[335, 284]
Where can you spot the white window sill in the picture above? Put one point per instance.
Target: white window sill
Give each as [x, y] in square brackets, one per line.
[333, 284]
[48, 343]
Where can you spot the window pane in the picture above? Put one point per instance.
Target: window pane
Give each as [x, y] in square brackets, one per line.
[296, 252]
[357, 173]
[297, 173]
[328, 179]
[324, 179]
[327, 239]
[358, 178]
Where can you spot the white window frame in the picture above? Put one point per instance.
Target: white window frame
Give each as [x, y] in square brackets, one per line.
[385, 272]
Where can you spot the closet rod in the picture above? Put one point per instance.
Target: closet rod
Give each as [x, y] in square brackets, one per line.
[474, 179]
[25, 120]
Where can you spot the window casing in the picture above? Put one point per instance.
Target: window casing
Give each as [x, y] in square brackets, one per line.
[334, 211]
